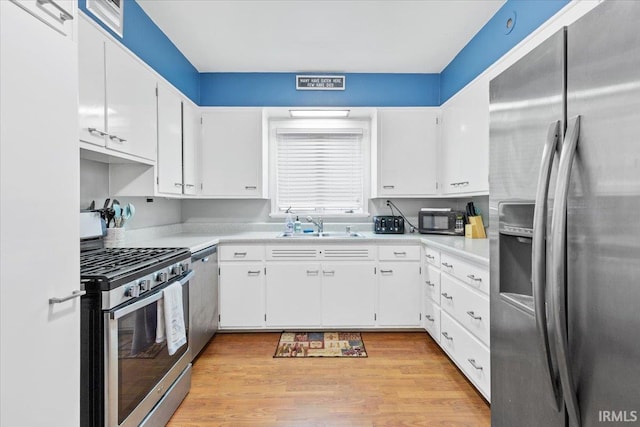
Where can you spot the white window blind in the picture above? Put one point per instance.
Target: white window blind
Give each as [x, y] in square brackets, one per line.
[319, 170]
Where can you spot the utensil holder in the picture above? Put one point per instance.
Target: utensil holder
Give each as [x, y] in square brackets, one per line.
[475, 228]
[115, 238]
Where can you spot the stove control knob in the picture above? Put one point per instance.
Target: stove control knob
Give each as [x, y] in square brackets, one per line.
[161, 277]
[132, 291]
[144, 285]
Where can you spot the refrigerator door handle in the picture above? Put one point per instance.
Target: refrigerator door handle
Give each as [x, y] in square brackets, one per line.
[539, 258]
[559, 270]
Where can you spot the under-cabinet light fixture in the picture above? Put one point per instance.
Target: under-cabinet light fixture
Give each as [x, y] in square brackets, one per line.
[319, 113]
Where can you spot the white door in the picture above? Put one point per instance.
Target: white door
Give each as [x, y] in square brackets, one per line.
[232, 153]
[242, 295]
[131, 104]
[39, 192]
[348, 294]
[91, 89]
[399, 296]
[293, 294]
[407, 151]
[169, 141]
[191, 130]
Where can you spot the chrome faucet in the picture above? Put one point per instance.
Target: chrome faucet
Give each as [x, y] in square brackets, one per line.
[318, 223]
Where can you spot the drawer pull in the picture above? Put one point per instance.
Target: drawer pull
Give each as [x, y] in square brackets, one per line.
[253, 272]
[312, 272]
[446, 335]
[429, 318]
[240, 254]
[447, 296]
[447, 265]
[430, 256]
[399, 253]
[473, 315]
[386, 271]
[474, 364]
[474, 278]
[430, 284]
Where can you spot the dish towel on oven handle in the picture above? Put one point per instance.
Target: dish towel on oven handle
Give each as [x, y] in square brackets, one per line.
[170, 310]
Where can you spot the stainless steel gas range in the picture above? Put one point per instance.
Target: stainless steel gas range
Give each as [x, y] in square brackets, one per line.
[128, 376]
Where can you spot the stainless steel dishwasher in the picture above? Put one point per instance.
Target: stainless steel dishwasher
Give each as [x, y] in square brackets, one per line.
[203, 299]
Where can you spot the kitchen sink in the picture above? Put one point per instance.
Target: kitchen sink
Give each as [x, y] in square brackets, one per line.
[328, 234]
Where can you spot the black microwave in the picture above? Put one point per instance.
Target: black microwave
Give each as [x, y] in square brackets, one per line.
[441, 222]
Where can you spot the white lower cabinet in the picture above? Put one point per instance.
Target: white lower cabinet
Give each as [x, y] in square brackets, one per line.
[399, 294]
[242, 295]
[348, 294]
[293, 294]
[468, 353]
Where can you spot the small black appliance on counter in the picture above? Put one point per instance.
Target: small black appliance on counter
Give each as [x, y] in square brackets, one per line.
[388, 224]
[441, 221]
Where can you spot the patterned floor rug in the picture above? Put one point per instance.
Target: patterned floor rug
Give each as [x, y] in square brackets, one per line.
[320, 344]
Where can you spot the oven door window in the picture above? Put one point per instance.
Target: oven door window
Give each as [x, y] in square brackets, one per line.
[142, 362]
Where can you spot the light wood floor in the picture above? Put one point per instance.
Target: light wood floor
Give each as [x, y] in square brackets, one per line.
[406, 381]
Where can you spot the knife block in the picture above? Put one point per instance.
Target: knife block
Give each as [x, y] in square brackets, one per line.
[475, 228]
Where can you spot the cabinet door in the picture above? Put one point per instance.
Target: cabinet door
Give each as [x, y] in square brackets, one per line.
[465, 140]
[242, 295]
[348, 294]
[191, 129]
[91, 81]
[232, 153]
[293, 294]
[407, 151]
[131, 104]
[169, 141]
[399, 296]
[40, 350]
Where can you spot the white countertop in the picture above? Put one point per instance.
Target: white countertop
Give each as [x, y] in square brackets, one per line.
[476, 250]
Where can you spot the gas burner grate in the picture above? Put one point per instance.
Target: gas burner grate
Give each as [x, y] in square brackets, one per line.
[112, 262]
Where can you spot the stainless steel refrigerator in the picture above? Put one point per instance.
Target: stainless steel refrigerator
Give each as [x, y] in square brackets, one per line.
[565, 255]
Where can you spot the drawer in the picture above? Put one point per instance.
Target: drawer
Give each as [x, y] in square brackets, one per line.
[241, 252]
[468, 353]
[399, 253]
[432, 256]
[431, 320]
[468, 307]
[431, 279]
[473, 275]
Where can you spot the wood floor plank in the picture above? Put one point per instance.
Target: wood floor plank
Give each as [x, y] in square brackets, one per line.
[406, 381]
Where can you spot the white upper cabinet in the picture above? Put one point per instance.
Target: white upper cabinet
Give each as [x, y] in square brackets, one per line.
[169, 141]
[407, 149]
[191, 132]
[131, 104]
[91, 111]
[114, 83]
[232, 153]
[465, 140]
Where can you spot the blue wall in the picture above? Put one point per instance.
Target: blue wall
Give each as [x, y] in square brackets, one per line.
[279, 89]
[143, 37]
[146, 40]
[492, 41]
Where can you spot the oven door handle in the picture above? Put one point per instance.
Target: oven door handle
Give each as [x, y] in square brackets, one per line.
[148, 300]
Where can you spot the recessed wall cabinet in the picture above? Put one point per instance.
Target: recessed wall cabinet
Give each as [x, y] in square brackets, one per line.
[40, 326]
[232, 153]
[464, 147]
[407, 148]
[117, 97]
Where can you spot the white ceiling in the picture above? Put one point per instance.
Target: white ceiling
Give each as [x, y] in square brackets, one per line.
[343, 36]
